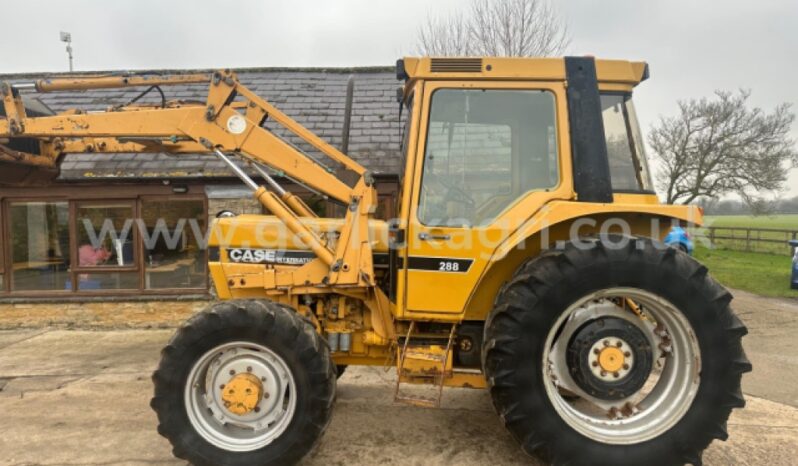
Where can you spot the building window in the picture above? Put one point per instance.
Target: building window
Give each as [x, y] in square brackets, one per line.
[153, 244]
[39, 244]
[105, 246]
[172, 235]
[105, 235]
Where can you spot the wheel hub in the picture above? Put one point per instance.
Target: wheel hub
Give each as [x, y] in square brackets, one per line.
[242, 393]
[609, 358]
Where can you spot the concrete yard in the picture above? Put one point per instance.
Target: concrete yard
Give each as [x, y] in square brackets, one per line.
[76, 397]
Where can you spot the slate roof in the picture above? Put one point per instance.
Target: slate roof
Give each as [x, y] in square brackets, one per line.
[315, 97]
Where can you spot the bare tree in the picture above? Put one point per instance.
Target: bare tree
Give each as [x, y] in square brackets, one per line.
[508, 28]
[445, 36]
[720, 146]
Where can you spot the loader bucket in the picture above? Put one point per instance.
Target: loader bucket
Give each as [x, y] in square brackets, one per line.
[24, 169]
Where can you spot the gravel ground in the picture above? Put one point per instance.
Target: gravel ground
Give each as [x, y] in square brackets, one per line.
[71, 397]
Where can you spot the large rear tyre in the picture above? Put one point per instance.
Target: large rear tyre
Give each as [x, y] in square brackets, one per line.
[244, 382]
[620, 352]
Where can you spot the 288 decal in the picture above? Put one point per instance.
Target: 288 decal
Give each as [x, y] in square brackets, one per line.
[449, 266]
[439, 264]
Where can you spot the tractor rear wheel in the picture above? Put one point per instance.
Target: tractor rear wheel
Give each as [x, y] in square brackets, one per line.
[244, 382]
[620, 351]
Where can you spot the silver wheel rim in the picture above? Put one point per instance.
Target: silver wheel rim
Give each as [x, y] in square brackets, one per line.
[221, 427]
[667, 393]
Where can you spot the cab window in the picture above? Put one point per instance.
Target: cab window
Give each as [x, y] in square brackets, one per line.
[484, 150]
[628, 168]
[406, 128]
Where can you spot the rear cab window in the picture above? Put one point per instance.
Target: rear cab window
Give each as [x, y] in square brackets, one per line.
[625, 149]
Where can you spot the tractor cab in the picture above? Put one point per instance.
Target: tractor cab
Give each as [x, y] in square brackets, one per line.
[490, 145]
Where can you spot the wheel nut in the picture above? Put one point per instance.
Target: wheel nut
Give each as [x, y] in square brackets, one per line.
[221, 387]
[603, 373]
[249, 368]
[606, 343]
[596, 351]
[257, 409]
[232, 371]
[627, 354]
[616, 375]
[595, 363]
[618, 344]
[626, 367]
[266, 396]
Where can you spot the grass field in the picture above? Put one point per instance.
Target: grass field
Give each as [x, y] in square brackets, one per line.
[764, 274]
[789, 221]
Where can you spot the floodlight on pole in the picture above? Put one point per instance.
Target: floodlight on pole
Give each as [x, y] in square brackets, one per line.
[67, 37]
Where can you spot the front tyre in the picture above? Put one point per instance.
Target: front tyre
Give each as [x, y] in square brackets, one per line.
[619, 351]
[244, 382]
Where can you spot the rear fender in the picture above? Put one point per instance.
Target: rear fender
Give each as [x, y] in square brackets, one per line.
[562, 220]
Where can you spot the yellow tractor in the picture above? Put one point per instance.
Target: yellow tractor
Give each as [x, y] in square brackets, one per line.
[525, 259]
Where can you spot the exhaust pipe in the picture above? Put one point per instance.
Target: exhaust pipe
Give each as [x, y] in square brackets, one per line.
[350, 94]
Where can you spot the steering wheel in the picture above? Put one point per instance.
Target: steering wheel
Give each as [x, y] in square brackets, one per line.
[454, 193]
[459, 195]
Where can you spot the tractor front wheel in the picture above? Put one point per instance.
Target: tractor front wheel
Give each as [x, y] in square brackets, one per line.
[244, 382]
[617, 351]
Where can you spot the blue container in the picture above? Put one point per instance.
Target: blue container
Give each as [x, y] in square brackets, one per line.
[679, 238]
[794, 280]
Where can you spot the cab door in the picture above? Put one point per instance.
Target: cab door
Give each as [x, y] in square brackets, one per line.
[482, 150]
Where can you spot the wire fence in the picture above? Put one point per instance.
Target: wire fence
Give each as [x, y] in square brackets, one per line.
[766, 240]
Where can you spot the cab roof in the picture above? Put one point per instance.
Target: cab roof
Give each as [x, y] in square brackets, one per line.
[625, 72]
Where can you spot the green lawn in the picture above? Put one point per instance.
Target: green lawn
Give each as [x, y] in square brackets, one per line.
[764, 274]
[789, 221]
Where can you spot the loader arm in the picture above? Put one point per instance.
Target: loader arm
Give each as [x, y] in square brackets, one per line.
[229, 122]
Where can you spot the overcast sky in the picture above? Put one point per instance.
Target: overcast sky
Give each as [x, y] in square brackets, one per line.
[693, 47]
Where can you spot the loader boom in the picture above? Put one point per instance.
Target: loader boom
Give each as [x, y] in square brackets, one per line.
[230, 122]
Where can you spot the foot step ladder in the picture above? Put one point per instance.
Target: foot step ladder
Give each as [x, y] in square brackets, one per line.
[423, 364]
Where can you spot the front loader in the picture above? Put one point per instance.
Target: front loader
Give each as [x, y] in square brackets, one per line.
[525, 260]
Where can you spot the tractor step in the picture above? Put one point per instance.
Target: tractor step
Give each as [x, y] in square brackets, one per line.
[429, 364]
[418, 401]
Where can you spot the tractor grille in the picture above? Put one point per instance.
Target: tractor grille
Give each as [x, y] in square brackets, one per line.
[456, 65]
